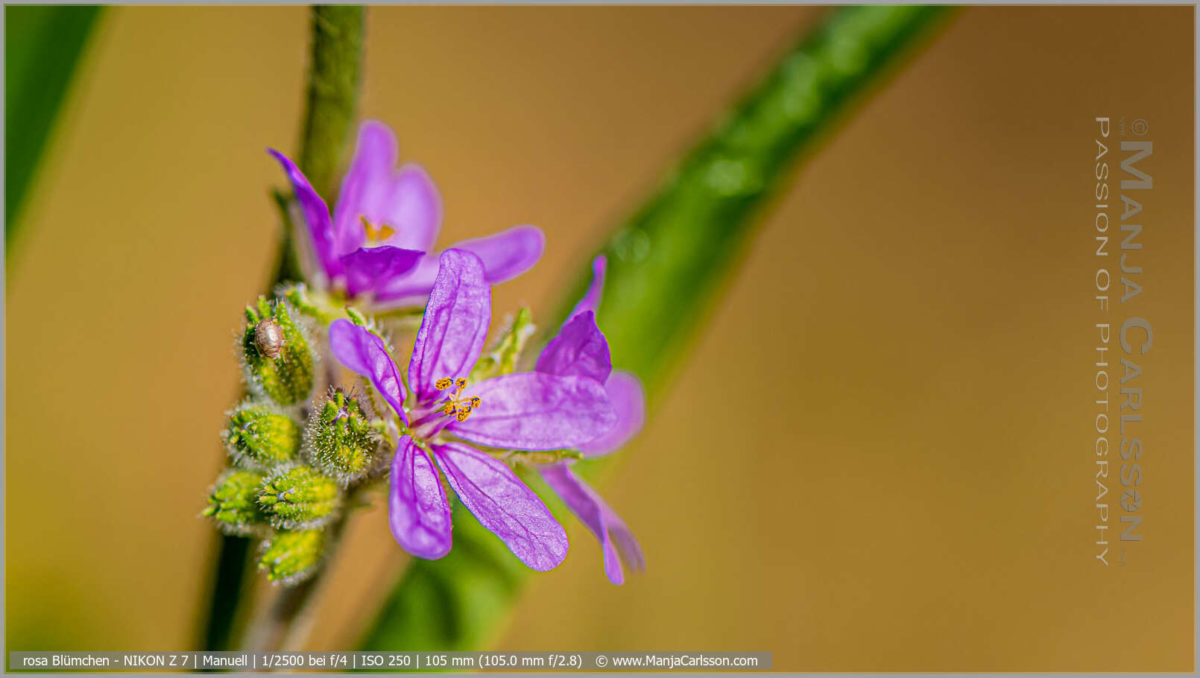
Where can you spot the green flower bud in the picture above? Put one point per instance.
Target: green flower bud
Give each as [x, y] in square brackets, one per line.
[291, 557]
[259, 436]
[232, 503]
[503, 359]
[341, 440]
[276, 353]
[298, 497]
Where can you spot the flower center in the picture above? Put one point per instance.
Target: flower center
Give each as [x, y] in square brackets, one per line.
[456, 405]
[376, 234]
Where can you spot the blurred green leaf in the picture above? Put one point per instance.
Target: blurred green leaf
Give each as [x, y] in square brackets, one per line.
[42, 46]
[454, 606]
[667, 266]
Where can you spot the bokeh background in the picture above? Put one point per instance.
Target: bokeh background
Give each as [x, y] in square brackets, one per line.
[878, 455]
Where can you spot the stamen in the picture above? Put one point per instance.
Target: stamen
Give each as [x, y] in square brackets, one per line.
[375, 233]
[455, 404]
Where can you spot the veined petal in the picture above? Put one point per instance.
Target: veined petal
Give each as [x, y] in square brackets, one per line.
[411, 289]
[504, 505]
[418, 512]
[369, 269]
[593, 512]
[405, 200]
[591, 299]
[627, 545]
[364, 354]
[629, 402]
[507, 254]
[374, 159]
[455, 324]
[316, 215]
[414, 209]
[578, 350]
[536, 411]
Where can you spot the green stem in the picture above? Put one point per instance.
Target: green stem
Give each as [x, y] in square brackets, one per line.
[667, 266]
[282, 622]
[333, 84]
[331, 102]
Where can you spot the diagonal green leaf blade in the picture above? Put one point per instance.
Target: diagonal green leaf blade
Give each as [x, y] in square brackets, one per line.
[667, 265]
[42, 46]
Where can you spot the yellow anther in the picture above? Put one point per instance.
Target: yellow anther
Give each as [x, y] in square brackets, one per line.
[376, 233]
[456, 404]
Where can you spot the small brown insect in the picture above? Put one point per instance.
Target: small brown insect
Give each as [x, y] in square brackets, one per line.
[268, 338]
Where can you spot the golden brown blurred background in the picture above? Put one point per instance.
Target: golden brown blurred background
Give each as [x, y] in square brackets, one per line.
[914, 493]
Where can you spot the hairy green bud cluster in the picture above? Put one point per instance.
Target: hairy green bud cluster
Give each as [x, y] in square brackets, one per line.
[276, 353]
[294, 464]
[299, 497]
[260, 436]
[341, 441]
[291, 556]
[233, 504]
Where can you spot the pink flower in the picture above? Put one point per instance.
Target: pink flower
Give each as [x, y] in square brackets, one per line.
[379, 241]
[448, 417]
[580, 349]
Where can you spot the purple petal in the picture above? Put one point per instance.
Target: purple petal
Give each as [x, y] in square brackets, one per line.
[591, 300]
[316, 215]
[593, 512]
[578, 350]
[504, 505]
[369, 269]
[406, 200]
[417, 508]
[629, 402]
[374, 157]
[455, 324]
[536, 411]
[411, 289]
[627, 545]
[505, 255]
[509, 253]
[364, 354]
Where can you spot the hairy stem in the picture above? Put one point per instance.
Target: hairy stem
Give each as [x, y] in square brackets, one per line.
[330, 104]
[333, 84]
[282, 624]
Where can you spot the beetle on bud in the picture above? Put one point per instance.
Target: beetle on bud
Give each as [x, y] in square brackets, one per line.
[268, 337]
[276, 354]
